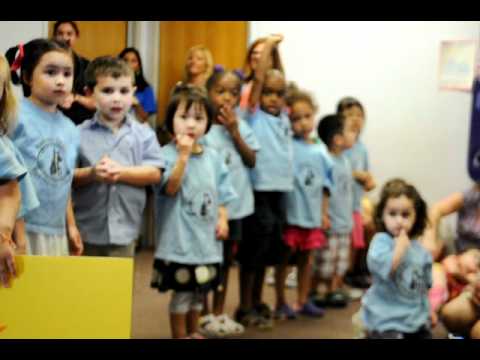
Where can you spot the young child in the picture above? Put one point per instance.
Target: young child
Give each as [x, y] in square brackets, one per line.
[352, 108]
[118, 158]
[338, 134]
[17, 195]
[396, 305]
[305, 204]
[191, 213]
[233, 138]
[262, 244]
[48, 142]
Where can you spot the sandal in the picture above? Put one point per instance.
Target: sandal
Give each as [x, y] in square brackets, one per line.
[230, 326]
[211, 327]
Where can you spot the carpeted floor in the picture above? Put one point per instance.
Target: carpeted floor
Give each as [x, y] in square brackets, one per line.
[150, 312]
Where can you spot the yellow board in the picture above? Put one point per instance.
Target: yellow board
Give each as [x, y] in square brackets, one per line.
[68, 297]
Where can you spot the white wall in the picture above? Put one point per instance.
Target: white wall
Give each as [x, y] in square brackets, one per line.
[413, 130]
[15, 32]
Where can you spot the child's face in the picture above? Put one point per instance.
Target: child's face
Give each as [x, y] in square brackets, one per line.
[192, 122]
[349, 134]
[52, 79]
[226, 92]
[356, 114]
[398, 215]
[66, 32]
[132, 61]
[469, 261]
[113, 97]
[196, 63]
[272, 99]
[301, 117]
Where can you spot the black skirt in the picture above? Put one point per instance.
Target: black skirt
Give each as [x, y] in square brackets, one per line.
[169, 275]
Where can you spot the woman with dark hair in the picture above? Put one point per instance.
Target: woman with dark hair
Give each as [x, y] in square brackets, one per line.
[78, 107]
[144, 103]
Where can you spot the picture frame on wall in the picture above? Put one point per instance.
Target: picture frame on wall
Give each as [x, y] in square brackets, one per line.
[457, 65]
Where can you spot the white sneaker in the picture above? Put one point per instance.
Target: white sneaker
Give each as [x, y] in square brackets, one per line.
[210, 327]
[355, 294]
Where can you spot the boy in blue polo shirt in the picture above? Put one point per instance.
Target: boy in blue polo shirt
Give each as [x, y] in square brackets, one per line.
[118, 158]
[338, 134]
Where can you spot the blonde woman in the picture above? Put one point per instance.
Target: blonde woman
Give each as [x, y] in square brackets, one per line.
[198, 66]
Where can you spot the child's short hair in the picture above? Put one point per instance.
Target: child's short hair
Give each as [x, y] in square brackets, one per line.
[8, 102]
[29, 56]
[329, 126]
[192, 95]
[393, 189]
[294, 95]
[73, 23]
[347, 103]
[106, 66]
[219, 72]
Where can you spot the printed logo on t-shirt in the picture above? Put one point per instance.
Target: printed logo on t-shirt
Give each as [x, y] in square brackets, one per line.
[51, 161]
[201, 205]
[309, 179]
[412, 279]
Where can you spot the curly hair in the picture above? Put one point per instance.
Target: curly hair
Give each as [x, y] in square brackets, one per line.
[394, 189]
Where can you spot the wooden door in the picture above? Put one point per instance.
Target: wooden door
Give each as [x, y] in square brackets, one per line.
[98, 38]
[227, 40]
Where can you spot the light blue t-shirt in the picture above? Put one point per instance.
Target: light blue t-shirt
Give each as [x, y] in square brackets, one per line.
[313, 172]
[274, 164]
[12, 167]
[358, 157]
[49, 144]
[340, 207]
[112, 213]
[219, 138]
[186, 222]
[397, 301]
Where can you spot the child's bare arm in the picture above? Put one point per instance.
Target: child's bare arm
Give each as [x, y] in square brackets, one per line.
[139, 175]
[402, 242]
[72, 230]
[83, 176]
[19, 237]
[325, 218]
[261, 70]
[184, 147]
[10, 198]
[447, 206]
[229, 119]
[222, 229]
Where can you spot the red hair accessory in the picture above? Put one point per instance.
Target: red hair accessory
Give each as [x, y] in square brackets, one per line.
[18, 60]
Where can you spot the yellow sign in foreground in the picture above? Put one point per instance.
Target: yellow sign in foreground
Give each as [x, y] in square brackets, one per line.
[68, 297]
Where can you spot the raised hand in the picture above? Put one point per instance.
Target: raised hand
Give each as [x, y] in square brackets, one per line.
[184, 144]
[228, 118]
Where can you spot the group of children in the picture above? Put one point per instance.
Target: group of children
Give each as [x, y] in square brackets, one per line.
[253, 184]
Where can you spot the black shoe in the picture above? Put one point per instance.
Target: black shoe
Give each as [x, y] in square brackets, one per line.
[361, 282]
[337, 299]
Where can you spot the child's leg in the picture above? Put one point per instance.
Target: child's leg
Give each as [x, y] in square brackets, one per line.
[475, 332]
[247, 281]
[342, 260]
[459, 314]
[305, 263]
[220, 293]
[258, 282]
[179, 305]
[280, 277]
[193, 315]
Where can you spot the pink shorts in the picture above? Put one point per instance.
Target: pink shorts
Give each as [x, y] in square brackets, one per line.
[358, 240]
[304, 239]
